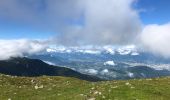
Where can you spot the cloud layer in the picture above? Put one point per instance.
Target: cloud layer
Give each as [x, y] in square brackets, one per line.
[82, 22]
[106, 22]
[78, 22]
[156, 38]
[18, 48]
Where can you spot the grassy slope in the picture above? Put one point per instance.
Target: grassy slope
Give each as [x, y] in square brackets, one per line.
[61, 88]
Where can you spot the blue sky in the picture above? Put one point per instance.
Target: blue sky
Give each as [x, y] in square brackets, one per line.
[18, 31]
[152, 12]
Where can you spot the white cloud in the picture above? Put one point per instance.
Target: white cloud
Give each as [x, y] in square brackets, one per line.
[109, 49]
[15, 48]
[128, 49]
[156, 38]
[104, 21]
[91, 52]
[105, 71]
[117, 22]
[50, 63]
[111, 63]
[92, 71]
[130, 74]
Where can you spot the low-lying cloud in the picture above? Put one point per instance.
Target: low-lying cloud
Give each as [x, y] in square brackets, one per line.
[18, 48]
[156, 39]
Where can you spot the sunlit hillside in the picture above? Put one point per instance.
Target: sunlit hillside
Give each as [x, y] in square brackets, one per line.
[62, 88]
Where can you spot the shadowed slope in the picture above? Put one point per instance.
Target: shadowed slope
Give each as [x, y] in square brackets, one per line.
[34, 67]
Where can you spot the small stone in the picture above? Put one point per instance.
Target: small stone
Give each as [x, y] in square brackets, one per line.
[41, 87]
[96, 92]
[91, 99]
[32, 81]
[92, 88]
[103, 97]
[36, 87]
[114, 87]
[127, 83]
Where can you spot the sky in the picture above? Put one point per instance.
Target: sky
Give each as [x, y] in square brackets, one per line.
[151, 12]
[32, 25]
[154, 11]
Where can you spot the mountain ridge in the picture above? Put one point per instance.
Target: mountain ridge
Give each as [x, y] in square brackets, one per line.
[34, 67]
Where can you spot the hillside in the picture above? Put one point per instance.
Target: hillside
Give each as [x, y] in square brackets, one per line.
[34, 67]
[65, 88]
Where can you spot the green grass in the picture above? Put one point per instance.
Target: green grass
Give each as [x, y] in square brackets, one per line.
[62, 88]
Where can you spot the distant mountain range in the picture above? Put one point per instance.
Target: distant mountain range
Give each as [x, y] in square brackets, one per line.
[35, 67]
[90, 64]
[107, 62]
